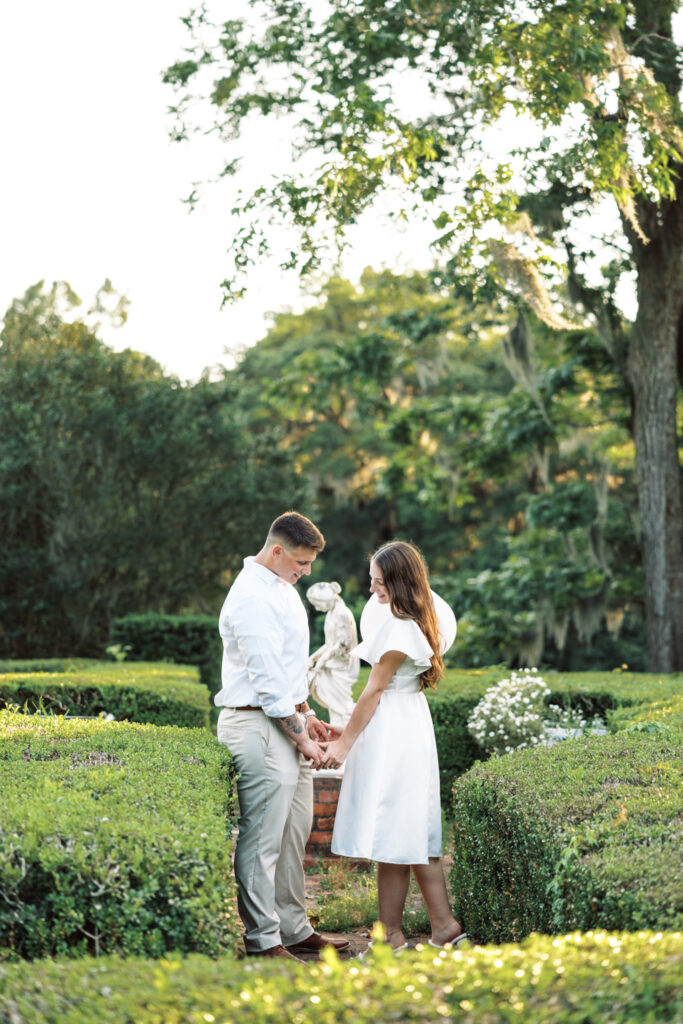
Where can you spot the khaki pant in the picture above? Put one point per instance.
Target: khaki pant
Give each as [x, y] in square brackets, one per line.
[275, 791]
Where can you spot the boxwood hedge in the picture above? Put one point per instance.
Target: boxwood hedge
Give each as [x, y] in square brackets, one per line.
[578, 978]
[183, 639]
[581, 835]
[114, 837]
[162, 694]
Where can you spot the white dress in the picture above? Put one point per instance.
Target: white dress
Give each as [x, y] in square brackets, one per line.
[389, 806]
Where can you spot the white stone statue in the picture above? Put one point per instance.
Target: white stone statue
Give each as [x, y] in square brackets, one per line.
[332, 669]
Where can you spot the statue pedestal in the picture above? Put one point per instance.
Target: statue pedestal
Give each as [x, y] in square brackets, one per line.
[326, 786]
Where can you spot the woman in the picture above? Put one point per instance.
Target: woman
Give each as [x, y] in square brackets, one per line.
[389, 807]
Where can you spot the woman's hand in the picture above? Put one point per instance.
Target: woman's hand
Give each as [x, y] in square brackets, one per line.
[321, 731]
[336, 752]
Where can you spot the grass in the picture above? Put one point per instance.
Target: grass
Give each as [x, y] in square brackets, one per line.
[347, 899]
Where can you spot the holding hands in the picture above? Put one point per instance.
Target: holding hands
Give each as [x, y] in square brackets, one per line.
[336, 751]
[321, 731]
[313, 741]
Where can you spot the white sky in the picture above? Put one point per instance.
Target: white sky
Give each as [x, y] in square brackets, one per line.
[91, 186]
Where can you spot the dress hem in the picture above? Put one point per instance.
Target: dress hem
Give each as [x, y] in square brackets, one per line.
[358, 855]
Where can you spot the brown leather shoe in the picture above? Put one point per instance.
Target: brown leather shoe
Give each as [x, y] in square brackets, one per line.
[317, 942]
[275, 951]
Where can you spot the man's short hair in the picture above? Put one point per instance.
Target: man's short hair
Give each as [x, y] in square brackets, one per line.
[293, 530]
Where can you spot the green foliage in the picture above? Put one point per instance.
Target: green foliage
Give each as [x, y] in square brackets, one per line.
[369, 386]
[158, 694]
[406, 411]
[121, 489]
[582, 835]
[593, 694]
[399, 98]
[457, 749]
[397, 411]
[115, 838]
[182, 639]
[347, 901]
[598, 977]
[553, 63]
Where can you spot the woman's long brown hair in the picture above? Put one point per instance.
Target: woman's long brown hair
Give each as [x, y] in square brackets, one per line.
[405, 578]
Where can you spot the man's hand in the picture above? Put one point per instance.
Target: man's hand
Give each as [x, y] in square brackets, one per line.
[294, 727]
[312, 752]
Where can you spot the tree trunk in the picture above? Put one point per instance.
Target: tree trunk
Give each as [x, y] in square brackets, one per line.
[653, 377]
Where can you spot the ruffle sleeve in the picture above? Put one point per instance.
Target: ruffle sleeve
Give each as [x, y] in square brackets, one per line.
[402, 635]
[376, 627]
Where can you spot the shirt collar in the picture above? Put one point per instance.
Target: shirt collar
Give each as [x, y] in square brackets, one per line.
[259, 570]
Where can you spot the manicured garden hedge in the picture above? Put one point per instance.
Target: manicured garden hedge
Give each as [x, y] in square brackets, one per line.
[114, 837]
[183, 639]
[582, 835]
[579, 978]
[160, 694]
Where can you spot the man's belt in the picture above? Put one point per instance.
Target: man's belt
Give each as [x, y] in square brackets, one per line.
[257, 707]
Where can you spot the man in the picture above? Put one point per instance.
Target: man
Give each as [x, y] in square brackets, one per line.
[272, 735]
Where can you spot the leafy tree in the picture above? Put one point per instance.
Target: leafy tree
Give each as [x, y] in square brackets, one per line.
[594, 88]
[572, 560]
[121, 490]
[412, 415]
[365, 384]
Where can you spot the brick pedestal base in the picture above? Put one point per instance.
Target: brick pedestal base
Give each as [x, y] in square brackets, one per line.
[326, 786]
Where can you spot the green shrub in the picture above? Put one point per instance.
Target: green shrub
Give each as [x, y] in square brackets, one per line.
[115, 837]
[182, 639]
[582, 835]
[579, 978]
[159, 694]
[347, 900]
[41, 665]
[591, 693]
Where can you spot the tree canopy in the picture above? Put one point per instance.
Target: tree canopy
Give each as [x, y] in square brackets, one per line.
[385, 409]
[411, 415]
[121, 490]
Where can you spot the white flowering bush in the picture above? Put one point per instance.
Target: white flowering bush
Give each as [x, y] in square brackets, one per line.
[511, 714]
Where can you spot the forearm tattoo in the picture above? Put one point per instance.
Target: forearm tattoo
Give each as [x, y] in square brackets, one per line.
[292, 726]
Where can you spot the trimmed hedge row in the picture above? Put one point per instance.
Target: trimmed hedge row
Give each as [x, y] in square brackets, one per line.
[114, 837]
[158, 694]
[183, 639]
[592, 693]
[579, 978]
[582, 835]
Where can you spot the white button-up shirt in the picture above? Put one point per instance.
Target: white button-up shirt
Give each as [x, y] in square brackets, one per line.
[264, 628]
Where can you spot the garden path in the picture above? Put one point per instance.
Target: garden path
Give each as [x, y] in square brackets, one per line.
[358, 938]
